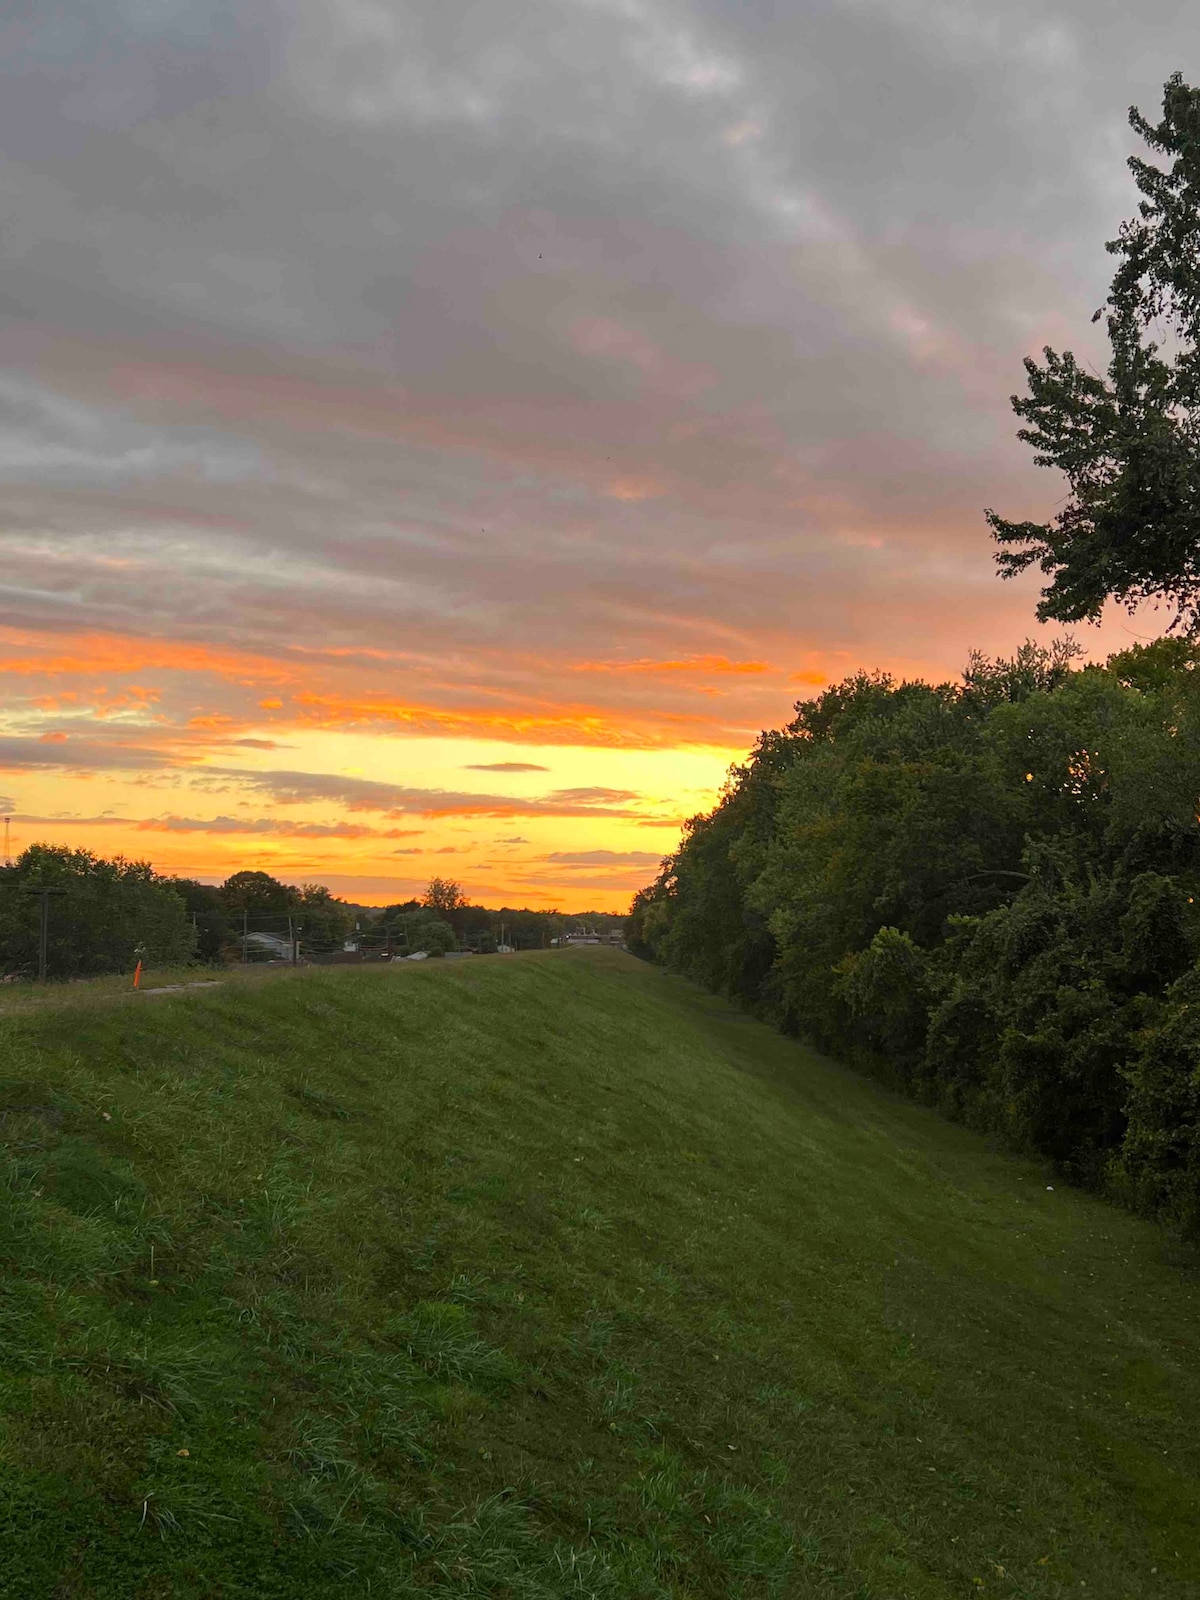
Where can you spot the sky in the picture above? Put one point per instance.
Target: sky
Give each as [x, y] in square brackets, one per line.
[436, 438]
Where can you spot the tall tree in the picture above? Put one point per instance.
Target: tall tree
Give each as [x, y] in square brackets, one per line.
[444, 896]
[259, 894]
[323, 920]
[1128, 444]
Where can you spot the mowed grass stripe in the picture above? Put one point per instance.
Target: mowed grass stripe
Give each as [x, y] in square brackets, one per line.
[546, 1276]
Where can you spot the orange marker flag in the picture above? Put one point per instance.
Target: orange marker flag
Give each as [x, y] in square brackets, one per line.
[137, 976]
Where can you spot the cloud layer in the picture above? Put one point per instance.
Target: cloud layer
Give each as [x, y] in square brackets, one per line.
[585, 377]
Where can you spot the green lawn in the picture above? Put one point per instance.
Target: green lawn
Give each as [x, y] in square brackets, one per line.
[545, 1276]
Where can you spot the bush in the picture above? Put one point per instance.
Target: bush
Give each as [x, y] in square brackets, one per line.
[432, 935]
[886, 989]
[1158, 1166]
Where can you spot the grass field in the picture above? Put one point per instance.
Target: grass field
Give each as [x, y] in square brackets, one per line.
[548, 1276]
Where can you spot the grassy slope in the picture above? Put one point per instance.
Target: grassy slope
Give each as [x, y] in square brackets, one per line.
[549, 1276]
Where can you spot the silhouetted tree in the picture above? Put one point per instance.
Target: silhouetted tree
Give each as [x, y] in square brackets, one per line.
[443, 896]
[209, 914]
[258, 893]
[1128, 443]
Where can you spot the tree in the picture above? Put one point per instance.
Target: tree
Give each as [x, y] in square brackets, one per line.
[1034, 668]
[432, 934]
[444, 896]
[259, 894]
[108, 911]
[210, 916]
[323, 921]
[1128, 444]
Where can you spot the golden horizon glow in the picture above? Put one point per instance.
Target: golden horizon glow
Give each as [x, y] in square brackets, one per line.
[209, 760]
[374, 814]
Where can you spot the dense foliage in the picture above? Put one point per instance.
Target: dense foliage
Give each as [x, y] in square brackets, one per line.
[255, 902]
[105, 915]
[102, 915]
[989, 892]
[1129, 442]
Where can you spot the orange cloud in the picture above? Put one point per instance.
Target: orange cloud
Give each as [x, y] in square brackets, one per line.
[94, 653]
[463, 698]
[264, 825]
[701, 665]
[564, 724]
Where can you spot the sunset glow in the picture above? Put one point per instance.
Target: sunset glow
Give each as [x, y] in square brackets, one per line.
[438, 440]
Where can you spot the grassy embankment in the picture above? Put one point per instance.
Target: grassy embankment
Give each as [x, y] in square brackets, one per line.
[549, 1276]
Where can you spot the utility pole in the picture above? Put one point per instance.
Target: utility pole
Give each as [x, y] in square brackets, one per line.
[292, 938]
[245, 935]
[43, 922]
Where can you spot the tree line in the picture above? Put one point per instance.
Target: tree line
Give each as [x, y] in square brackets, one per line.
[106, 914]
[444, 920]
[988, 891]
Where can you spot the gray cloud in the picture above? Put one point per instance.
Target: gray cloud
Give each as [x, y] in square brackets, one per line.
[56, 441]
[363, 794]
[504, 766]
[592, 796]
[79, 755]
[263, 825]
[273, 826]
[568, 324]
